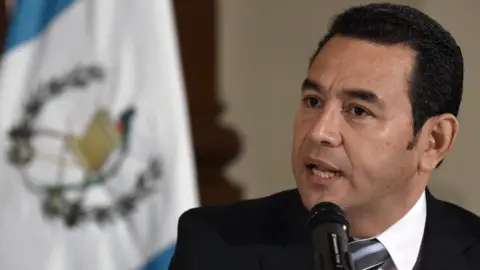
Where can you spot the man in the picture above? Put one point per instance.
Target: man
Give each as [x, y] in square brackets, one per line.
[377, 114]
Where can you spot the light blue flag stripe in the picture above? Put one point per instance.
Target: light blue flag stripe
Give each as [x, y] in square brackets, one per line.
[161, 260]
[31, 17]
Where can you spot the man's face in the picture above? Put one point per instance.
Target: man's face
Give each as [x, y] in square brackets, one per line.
[353, 127]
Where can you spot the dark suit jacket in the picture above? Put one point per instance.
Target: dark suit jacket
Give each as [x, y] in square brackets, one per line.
[270, 234]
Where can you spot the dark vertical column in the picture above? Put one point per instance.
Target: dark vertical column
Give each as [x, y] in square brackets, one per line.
[215, 145]
[3, 22]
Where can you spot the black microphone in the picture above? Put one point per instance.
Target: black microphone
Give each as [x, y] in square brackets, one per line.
[329, 230]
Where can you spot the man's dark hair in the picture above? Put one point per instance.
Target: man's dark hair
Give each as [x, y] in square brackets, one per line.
[436, 82]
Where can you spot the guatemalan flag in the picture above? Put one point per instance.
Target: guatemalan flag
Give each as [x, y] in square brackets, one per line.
[96, 160]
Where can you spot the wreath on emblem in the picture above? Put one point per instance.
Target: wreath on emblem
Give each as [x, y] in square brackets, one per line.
[56, 204]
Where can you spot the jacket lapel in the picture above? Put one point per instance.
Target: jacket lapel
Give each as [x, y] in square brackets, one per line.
[445, 239]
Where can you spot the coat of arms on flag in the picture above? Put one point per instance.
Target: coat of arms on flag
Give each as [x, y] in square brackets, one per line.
[99, 152]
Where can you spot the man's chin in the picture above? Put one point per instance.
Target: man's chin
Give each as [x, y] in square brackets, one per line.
[311, 199]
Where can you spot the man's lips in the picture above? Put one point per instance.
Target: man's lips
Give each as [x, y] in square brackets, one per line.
[322, 172]
[321, 165]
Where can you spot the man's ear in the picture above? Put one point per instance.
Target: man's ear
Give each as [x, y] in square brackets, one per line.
[440, 133]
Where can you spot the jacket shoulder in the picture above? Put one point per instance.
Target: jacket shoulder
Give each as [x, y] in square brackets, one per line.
[469, 220]
[213, 229]
[459, 228]
[244, 213]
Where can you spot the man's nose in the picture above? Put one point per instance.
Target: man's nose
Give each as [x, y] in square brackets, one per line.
[326, 128]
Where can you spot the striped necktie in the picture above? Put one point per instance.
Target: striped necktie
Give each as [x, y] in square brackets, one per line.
[367, 254]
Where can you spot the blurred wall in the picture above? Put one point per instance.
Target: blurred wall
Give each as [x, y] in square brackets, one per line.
[264, 47]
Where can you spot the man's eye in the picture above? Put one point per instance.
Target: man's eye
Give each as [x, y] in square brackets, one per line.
[358, 111]
[312, 102]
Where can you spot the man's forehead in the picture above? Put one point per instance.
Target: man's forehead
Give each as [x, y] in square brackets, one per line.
[341, 48]
[353, 63]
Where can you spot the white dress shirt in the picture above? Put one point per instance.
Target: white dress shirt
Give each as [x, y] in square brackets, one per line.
[404, 238]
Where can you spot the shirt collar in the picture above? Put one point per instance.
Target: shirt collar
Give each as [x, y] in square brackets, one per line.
[404, 238]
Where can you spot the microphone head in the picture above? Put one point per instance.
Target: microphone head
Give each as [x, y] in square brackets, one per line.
[328, 226]
[327, 212]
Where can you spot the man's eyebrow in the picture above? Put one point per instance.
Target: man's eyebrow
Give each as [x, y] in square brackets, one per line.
[366, 95]
[310, 85]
